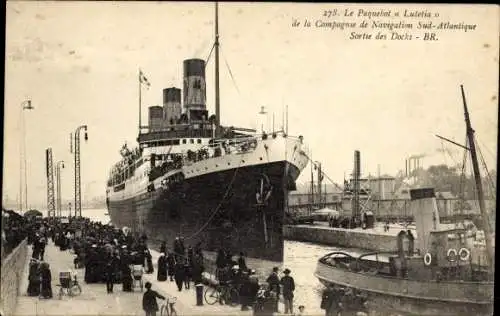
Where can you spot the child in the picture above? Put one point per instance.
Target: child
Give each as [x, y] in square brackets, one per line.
[149, 304]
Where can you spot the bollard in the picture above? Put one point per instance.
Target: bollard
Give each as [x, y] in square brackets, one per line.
[199, 294]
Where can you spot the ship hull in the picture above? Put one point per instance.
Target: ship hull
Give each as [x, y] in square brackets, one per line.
[238, 209]
[430, 298]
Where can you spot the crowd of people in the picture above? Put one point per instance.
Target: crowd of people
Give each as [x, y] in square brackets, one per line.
[108, 254]
[14, 231]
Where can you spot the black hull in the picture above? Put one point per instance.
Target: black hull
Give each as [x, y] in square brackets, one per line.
[218, 210]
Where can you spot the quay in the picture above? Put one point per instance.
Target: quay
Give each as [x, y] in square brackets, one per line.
[94, 299]
[375, 238]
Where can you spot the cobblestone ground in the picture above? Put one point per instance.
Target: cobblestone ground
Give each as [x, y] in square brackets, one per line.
[94, 299]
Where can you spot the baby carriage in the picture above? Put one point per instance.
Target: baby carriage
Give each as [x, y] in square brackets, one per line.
[137, 272]
[68, 283]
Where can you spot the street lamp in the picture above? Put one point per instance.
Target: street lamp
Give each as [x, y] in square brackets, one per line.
[76, 152]
[25, 105]
[59, 164]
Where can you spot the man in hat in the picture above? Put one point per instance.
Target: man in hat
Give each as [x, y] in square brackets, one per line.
[288, 287]
[274, 285]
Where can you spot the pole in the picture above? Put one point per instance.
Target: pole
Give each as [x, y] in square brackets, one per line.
[25, 168]
[78, 191]
[25, 105]
[57, 191]
[58, 187]
[479, 185]
[140, 100]
[216, 44]
[21, 165]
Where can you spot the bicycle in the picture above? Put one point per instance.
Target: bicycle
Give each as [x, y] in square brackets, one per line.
[226, 293]
[167, 308]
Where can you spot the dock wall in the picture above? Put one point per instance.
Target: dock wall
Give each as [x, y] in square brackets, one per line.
[12, 271]
[341, 237]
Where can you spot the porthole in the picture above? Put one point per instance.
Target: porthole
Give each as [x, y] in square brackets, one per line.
[260, 158]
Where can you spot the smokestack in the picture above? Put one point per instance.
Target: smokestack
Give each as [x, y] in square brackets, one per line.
[172, 108]
[155, 117]
[424, 209]
[194, 84]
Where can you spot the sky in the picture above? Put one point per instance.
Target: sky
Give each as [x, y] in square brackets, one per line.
[78, 63]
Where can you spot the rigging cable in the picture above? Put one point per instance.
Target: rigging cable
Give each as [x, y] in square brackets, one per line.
[326, 176]
[462, 180]
[231, 74]
[218, 206]
[488, 176]
[209, 55]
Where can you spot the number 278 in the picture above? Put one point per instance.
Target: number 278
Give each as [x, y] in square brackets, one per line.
[330, 13]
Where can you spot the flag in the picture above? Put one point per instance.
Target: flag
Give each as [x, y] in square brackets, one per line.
[143, 79]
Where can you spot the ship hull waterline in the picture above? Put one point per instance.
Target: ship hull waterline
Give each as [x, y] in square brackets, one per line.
[218, 210]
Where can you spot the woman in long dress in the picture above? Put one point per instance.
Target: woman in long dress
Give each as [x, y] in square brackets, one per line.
[162, 268]
[149, 262]
[46, 291]
[34, 279]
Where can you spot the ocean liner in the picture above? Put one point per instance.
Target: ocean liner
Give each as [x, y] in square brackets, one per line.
[189, 176]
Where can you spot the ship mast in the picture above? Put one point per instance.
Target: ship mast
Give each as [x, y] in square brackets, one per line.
[216, 44]
[479, 185]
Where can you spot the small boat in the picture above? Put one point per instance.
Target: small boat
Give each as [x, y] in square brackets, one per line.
[450, 274]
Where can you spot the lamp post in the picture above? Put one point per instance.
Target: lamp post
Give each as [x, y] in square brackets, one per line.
[23, 198]
[69, 209]
[76, 152]
[59, 164]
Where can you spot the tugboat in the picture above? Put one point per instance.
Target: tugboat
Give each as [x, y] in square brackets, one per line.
[450, 274]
